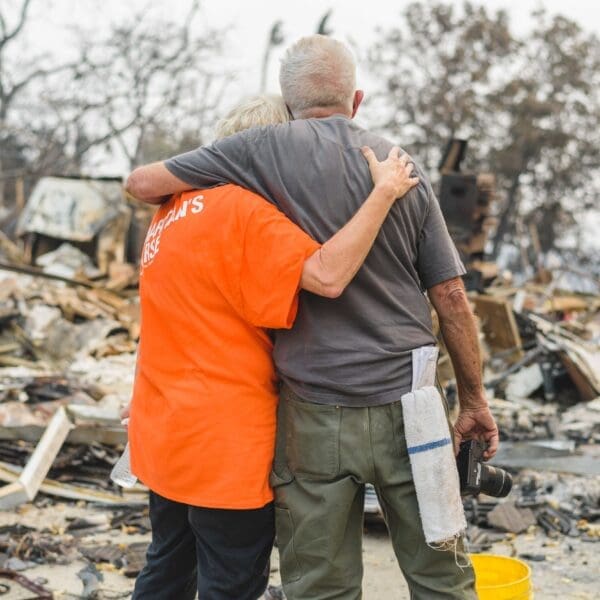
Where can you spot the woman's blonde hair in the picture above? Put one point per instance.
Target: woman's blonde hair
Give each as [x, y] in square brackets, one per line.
[256, 111]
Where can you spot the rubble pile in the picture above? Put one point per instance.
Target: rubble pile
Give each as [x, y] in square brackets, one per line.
[69, 329]
[555, 504]
[77, 464]
[61, 344]
[68, 342]
[542, 371]
[96, 544]
[541, 350]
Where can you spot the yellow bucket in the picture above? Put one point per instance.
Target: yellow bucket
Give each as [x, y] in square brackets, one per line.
[501, 578]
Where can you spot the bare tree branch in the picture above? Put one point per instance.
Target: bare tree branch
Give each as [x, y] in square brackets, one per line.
[7, 37]
[37, 74]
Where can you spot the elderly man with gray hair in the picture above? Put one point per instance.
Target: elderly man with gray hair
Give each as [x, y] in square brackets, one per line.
[346, 363]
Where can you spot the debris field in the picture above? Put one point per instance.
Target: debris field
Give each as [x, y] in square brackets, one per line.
[69, 329]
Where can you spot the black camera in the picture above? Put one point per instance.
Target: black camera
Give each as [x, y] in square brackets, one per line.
[477, 477]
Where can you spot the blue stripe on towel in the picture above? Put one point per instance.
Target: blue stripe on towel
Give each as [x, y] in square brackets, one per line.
[429, 446]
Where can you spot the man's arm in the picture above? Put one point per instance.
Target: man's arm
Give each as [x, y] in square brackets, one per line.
[154, 183]
[329, 270]
[475, 421]
[224, 161]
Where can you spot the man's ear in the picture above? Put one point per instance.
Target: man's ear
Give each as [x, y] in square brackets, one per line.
[358, 98]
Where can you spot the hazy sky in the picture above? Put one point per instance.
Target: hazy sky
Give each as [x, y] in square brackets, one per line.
[356, 20]
[249, 21]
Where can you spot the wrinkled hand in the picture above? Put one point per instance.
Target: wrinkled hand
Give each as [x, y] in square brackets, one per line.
[394, 173]
[478, 424]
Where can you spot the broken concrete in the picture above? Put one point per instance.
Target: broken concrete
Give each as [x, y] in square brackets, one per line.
[507, 517]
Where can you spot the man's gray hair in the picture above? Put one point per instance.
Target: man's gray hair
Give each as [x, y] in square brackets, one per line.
[256, 111]
[317, 72]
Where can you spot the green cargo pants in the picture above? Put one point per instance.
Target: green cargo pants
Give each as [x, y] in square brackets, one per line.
[323, 458]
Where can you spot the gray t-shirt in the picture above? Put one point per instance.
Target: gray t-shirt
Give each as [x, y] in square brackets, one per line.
[354, 350]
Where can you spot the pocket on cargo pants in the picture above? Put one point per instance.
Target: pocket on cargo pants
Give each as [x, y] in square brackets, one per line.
[306, 449]
[311, 437]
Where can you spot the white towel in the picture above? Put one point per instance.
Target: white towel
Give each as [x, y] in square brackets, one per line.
[424, 365]
[433, 467]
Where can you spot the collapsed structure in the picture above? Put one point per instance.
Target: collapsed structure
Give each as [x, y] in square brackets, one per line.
[69, 327]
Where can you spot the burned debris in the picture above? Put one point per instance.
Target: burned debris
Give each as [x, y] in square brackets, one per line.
[69, 325]
[466, 200]
[66, 214]
[541, 346]
[69, 329]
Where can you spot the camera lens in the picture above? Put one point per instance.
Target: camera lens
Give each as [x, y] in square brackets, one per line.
[495, 482]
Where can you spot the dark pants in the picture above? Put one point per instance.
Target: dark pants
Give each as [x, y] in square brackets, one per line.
[219, 554]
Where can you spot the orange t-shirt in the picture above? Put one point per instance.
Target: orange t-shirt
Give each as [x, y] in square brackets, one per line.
[218, 265]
